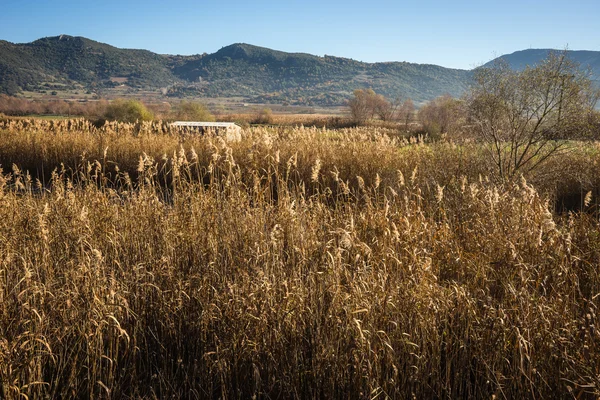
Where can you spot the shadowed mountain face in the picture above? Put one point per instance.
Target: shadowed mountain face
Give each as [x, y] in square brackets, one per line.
[255, 73]
[519, 60]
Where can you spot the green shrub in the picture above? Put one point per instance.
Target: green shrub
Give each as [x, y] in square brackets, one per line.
[193, 111]
[127, 111]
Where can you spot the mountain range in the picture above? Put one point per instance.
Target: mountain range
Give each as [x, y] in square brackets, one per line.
[253, 73]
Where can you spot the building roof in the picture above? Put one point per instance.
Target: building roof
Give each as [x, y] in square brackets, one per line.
[205, 124]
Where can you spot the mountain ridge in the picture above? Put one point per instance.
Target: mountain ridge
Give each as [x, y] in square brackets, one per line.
[520, 59]
[254, 73]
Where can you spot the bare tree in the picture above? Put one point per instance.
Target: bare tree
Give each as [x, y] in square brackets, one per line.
[526, 116]
[366, 104]
[406, 111]
[441, 115]
[385, 109]
[361, 105]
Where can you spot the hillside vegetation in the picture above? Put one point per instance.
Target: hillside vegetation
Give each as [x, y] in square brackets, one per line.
[240, 70]
[51, 63]
[265, 75]
[138, 261]
[258, 74]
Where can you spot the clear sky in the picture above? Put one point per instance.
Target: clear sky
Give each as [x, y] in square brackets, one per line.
[451, 33]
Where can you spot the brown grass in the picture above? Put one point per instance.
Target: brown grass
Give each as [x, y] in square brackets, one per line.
[297, 263]
[317, 120]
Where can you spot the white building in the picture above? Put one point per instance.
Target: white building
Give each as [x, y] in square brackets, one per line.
[228, 130]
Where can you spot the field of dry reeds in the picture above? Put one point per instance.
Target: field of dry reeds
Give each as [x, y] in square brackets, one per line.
[140, 262]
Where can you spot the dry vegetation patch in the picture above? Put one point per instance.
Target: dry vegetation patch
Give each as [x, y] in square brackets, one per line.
[297, 263]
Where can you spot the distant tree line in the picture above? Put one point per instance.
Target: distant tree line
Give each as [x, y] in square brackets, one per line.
[16, 106]
[124, 110]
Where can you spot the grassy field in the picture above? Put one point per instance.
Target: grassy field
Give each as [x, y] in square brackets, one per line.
[140, 262]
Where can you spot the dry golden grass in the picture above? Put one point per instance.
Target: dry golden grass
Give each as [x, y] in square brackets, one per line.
[297, 263]
[318, 120]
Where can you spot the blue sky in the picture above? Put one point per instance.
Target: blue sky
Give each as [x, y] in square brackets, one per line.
[452, 33]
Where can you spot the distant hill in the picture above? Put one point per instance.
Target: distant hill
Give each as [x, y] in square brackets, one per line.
[67, 60]
[240, 70]
[267, 75]
[256, 74]
[519, 60]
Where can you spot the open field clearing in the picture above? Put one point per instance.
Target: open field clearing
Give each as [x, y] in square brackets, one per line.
[140, 262]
